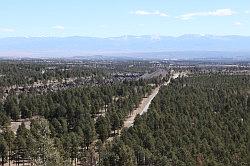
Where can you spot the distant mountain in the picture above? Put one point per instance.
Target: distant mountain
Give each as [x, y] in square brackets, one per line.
[127, 45]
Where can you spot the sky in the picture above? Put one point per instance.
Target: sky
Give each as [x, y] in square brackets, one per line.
[110, 18]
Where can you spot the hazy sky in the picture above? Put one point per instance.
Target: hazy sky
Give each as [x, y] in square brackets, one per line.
[104, 18]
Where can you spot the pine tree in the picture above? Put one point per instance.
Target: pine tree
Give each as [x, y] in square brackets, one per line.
[3, 150]
[102, 128]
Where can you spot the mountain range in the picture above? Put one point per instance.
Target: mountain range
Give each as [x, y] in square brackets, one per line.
[200, 46]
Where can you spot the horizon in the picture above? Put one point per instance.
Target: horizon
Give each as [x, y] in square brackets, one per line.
[135, 46]
[72, 28]
[145, 35]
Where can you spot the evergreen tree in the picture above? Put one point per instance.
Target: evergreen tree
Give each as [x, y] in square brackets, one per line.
[102, 128]
[3, 150]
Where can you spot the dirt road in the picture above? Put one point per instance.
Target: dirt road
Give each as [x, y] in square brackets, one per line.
[143, 107]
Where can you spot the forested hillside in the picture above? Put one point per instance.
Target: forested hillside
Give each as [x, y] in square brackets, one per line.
[65, 123]
[199, 120]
